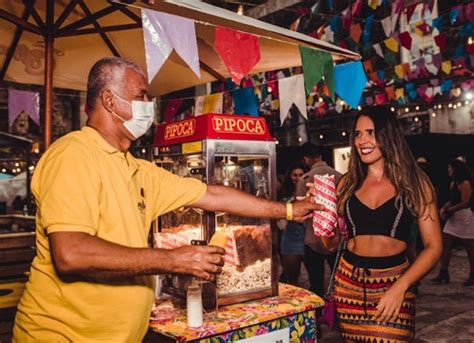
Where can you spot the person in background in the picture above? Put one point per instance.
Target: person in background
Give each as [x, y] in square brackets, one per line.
[381, 195]
[292, 240]
[315, 252]
[459, 219]
[92, 278]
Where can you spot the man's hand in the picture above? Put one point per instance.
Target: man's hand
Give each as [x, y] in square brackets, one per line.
[201, 261]
[303, 209]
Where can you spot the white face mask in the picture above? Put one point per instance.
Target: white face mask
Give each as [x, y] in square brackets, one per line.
[143, 113]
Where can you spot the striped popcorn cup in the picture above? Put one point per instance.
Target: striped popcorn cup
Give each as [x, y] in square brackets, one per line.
[325, 222]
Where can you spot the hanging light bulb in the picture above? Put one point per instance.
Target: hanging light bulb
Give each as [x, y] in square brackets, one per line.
[433, 114]
[459, 104]
[450, 105]
[344, 133]
[31, 168]
[392, 109]
[440, 106]
[455, 106]
[470, 40]
[269, 89]
[240, 10]
[359, 108]
[17, 164]
[469, 96]
[277, 142]
[417, 119]
[143, 150]
[300, 139]
[321, 136]
[407, 109]
[417, 108]
[4, 170]
[320, 99]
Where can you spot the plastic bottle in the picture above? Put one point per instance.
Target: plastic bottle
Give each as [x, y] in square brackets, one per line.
[194, 306]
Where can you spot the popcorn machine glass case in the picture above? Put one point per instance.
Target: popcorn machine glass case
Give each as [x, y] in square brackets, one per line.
[234, 151]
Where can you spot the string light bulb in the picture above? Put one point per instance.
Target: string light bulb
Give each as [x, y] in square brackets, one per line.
[240, 10]
[417, 119]
[320, 99]
[344, 133]
[392, 109]
[4, 170]
[469, 96]
[321, 136]
[300, 139]
[407, 109]
[459, 104]
[450, 105]
[417, 108]
[433, 114]
[31, 168]
[359, 108]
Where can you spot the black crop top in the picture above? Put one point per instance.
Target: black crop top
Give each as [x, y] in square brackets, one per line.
[384, 220]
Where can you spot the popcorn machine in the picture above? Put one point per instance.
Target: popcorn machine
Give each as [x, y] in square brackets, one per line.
[234, 151]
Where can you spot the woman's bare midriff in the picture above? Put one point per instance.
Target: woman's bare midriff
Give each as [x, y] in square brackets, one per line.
[375, 246]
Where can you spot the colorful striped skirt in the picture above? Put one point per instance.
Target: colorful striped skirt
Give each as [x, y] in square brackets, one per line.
[360, 283]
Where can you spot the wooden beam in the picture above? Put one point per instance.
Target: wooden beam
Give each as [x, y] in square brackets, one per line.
[87, 20]
[11, 50]
[19, 22]
[130, 14]
[211, 71]
[31, 6]
[104, 29]
[271, 6]
[99, 29]
[67, 10]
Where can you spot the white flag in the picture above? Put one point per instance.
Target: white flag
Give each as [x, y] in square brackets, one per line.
[291, 90]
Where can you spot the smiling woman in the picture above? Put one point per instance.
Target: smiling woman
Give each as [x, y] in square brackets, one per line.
[381, 196]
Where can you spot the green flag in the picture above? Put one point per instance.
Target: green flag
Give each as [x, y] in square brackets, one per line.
[316, 64]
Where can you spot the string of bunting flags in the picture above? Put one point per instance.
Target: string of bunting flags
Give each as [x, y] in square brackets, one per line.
[240, 52]
[433, 70]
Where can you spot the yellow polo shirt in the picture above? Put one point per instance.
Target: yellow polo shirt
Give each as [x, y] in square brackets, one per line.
[83, 184]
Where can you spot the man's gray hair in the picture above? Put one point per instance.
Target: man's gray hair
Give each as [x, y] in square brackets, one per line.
[105, 73]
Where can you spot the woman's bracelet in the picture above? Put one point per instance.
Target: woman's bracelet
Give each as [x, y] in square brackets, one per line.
[289, 211]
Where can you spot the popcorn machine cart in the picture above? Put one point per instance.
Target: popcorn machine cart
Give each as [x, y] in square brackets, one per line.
[234, 151]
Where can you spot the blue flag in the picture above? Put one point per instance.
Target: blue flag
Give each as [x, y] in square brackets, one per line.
[245, 101]
[350, 81]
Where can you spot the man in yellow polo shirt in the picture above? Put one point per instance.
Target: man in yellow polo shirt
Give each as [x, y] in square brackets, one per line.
[91, 280]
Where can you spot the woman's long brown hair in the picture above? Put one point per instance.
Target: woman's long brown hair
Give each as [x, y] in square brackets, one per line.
[400, 165]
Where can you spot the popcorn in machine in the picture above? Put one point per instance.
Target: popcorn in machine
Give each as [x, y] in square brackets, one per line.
[234, 151]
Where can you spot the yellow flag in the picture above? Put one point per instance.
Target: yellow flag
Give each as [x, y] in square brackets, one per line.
[212, 103]
[399, 93]
[392, 44]
[446, 67]
[399, 71]
[275, 105]
[310, 100]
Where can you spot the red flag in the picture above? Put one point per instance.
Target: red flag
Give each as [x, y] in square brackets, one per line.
[357, 8]
[440, 40]
[172, 108]
[469, 11]
[410, 10]
[405, 39]
[239, 51]
[347, 19]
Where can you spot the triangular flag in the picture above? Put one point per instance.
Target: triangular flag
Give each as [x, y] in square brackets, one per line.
[440, 41]
[23, 102]
[328, 34]
[163, 32]
[390, 93]
[378, 49]
[292, 91]
[316, 64]
[350, 80]
[469, 11]
[422, 29]
[210, 104]
[171, 109]
[392, 44]
[387, 26]
[453, 15]
[431, 67]
[460, 16]
[357, 8]
[367, 28]
[399, 93]
[245, 101]
[438, 23]
[399, 71]
[397, 7]
[410, 10]
[355, 33]
[239, 51]
[347, 19]
[405, 39]
[374, 4]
